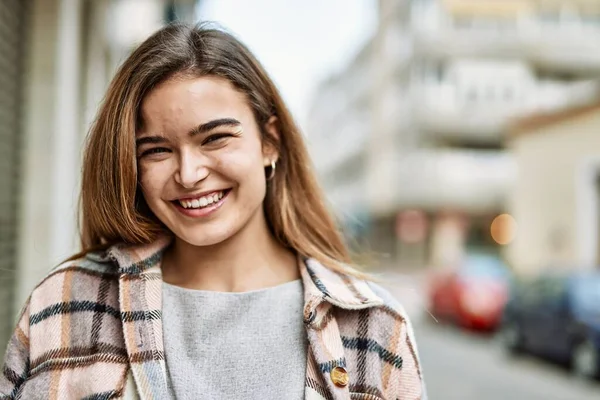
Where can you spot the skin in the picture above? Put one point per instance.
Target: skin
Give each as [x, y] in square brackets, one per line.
[232, 249]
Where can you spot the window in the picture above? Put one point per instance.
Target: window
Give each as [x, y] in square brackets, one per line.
[552, 291]
[587, 292]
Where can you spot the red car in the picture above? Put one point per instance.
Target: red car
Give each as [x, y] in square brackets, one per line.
[473, 295]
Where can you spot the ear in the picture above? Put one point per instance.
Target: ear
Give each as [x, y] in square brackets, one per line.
[269, 150]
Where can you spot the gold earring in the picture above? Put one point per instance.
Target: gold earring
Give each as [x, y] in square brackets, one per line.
[272, 174]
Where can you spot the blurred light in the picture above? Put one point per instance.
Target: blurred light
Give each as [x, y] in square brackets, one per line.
[503, 229]
[412, 226]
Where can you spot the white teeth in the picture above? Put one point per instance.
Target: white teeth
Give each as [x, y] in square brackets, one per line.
[202, 201]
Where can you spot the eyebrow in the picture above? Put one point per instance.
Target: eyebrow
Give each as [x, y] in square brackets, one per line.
[215, 123]
[149, 140]
[198, 130]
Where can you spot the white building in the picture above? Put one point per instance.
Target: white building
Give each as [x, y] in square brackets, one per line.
[338, 133]
[441, 80]
[56, 59]
[547, 34]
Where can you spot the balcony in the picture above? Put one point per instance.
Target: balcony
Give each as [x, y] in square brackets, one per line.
[573, 48]
[551, 41]
[449, 113]
[439, 32]
[472, 181]
[480, 111]
[447, 41]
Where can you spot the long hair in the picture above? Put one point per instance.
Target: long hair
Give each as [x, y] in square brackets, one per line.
[112, 208]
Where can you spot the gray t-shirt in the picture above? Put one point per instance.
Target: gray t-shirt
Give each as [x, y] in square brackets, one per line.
[249, 345]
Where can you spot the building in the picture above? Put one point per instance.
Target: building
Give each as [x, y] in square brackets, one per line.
[443, 80]
[57, 58]
[556, 198]
[12, 20]
[338, 132]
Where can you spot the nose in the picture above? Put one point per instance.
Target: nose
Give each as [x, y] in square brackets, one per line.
[192, 169]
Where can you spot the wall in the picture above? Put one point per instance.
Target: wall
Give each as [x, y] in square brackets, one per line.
[553, 200]
[13, 23]
[37, 155]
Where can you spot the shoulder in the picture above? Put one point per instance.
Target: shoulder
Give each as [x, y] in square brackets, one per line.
[91, 267]
[71, 317]
[76, 285]
[394, 308]
[389, 301]
[384, 294]
[384, 330]
[379, 306]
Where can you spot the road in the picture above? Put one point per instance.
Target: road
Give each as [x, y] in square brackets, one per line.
[463, 366]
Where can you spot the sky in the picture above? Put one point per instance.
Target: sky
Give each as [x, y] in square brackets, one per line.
[299, 42]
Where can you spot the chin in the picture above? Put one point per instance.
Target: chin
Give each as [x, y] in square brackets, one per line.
[202, 238]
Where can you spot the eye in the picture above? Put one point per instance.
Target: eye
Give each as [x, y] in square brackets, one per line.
[218, 137]
[154, 150]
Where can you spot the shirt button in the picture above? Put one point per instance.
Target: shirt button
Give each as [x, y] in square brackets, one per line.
[339, 376]
[311, 317]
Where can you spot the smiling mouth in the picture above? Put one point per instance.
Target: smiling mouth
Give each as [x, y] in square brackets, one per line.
[202, 201]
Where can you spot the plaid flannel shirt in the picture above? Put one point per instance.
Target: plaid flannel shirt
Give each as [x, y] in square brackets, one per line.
[92, 329]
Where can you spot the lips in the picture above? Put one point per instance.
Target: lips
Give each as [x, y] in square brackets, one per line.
[202, 201]
[201, 205]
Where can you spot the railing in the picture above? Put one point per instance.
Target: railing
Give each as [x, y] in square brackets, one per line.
[461, 179]
[445, 111]
[563, 44]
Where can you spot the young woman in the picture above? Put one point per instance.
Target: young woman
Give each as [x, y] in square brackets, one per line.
[210, 267]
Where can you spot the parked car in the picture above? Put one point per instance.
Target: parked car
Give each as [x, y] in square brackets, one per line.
[557, 316]
[472, 295]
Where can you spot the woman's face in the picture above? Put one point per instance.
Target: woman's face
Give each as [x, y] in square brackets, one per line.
[201, 160]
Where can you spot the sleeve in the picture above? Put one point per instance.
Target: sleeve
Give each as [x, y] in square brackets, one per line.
[412, 378]
[412, 346]
[15, 370]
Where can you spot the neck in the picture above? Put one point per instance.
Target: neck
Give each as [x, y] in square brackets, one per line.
[250, 260]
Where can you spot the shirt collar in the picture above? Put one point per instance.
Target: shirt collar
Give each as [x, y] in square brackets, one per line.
[321, 284]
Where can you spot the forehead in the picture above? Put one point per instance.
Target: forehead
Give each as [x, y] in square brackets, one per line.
[183, 101]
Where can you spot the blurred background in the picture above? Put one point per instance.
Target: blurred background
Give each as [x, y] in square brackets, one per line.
[458, 142]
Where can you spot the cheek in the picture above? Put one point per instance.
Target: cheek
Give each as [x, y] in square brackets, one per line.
[244, 167]
[152, 179]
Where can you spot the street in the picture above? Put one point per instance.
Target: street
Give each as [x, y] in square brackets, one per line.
[463, 366]
[459, 365]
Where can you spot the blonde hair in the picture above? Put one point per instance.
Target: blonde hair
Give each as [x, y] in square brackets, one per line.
[112, 208]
